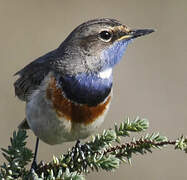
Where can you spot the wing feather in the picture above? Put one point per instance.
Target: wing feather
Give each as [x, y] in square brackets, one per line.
[31, 76]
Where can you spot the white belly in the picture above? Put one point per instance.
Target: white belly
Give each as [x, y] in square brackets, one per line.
[46, 125]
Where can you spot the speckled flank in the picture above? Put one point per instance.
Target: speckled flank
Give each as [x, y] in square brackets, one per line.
[73, 112]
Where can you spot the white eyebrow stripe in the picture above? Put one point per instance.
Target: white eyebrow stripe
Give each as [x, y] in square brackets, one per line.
[106, 73]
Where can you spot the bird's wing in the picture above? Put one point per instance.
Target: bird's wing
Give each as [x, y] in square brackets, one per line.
[29, 79]
[31, 76]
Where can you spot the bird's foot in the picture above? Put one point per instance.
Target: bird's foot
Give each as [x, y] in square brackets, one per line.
[33, 166]
[80, 152]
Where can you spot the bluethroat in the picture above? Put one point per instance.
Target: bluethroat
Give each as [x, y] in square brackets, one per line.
[68, 90]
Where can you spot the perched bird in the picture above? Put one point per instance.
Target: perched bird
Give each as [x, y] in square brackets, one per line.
[68, 90]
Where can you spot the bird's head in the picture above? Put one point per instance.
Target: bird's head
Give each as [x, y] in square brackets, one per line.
[87, 58]
[98, 45]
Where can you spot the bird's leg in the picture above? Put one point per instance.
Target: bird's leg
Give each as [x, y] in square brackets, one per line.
[34, 163]
[80, 152]
[75, 150]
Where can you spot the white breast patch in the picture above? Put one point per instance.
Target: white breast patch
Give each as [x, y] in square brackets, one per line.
[106, 73]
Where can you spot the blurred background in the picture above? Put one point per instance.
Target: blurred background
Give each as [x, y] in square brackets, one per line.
[149, 82]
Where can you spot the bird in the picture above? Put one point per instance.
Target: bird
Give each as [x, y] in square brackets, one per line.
[68, 91]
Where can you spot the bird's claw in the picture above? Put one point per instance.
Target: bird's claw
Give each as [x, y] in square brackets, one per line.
[34, 166]
[80, 152]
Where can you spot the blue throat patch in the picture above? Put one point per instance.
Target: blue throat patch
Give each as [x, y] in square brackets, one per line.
[86, 89]
[91, 89]
[114, 53]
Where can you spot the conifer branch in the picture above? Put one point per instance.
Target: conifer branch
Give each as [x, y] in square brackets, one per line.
[103, 152]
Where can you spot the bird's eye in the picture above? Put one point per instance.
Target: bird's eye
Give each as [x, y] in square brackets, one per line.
[105, 36]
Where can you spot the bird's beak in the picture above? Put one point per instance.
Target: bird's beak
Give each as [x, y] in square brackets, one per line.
[140, 32]
[135, 33]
